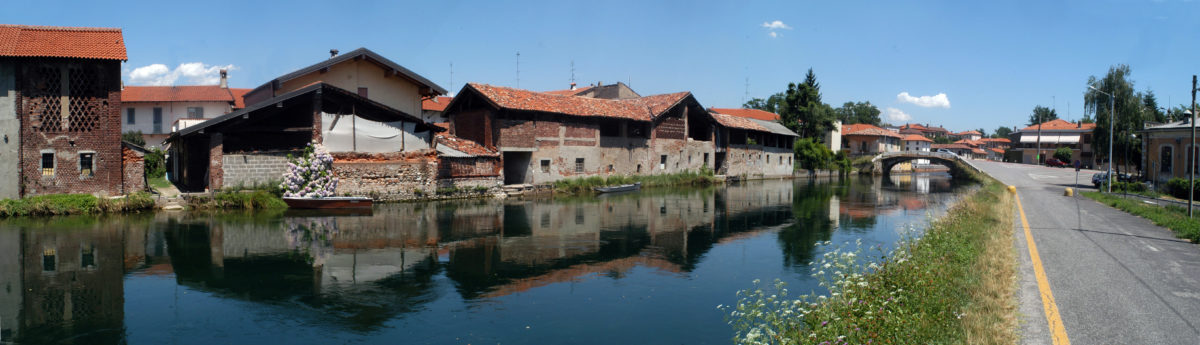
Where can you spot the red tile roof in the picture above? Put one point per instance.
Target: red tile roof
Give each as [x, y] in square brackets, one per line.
[737, 122]
[969, 142]
[641, 109]
[436, 103]
[194, 93]
[59, 41]
[998, 140]
[239, 97]
[950, 146]
[1059, 125]
[569, 92]
[465, 146]
[969, 132]
[750, 113]
[913, 126]
[867, 130]
[997, 150]
[978, 151]
[914, 137]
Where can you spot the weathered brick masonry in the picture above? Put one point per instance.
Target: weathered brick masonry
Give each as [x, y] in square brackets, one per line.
[134, 168]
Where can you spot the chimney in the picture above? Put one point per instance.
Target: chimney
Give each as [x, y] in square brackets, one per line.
[572, 86]
[224, 78]
[332, 53]
[1079, 124]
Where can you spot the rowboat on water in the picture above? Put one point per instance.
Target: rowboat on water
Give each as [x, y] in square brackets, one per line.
[619, 188]
[333, 202]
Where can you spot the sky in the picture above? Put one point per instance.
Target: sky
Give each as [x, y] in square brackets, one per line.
[959, 64]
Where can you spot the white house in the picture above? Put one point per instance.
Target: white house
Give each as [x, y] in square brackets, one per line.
[156, 111]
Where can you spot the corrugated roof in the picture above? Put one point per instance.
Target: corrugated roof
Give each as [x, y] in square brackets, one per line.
[60, 41]
[749, 113]
[775, 127]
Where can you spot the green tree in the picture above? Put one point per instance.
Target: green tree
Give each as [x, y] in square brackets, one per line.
[134, 137]
[943, 140]
[811, 154]
[1042, 115]
[803, 112]
[1063, 154]
[858, 112]
[1128, 117]
[1179, 112]
[982, 132]
[1150, 108]
[771, 104]
[1087, 119]
[1002, 132]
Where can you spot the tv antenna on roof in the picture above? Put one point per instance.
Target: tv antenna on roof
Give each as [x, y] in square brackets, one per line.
[518, 69]
[572, 71]
[451, 85]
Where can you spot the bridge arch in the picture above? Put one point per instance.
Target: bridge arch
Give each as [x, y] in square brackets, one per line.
[884, 162]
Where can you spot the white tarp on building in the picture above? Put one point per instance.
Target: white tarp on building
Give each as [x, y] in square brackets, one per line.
[1051, 139]
[349, 133]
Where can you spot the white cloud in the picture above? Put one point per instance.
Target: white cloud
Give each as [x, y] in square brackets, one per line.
[896, 115]
[774, 26]
[193, 73]
[936, 101]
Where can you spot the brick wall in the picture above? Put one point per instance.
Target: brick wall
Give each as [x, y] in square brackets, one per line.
[386, 181]
[134, 169]
[93, 125]
[249, 169]
[457, 167]
[473, 125]
[670, 128]
[580, 130]
[516, 133]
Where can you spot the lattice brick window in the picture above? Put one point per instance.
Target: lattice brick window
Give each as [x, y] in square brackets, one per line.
[85, 101]
[44, 104]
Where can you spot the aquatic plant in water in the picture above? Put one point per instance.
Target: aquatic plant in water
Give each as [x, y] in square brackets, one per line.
[310, 175]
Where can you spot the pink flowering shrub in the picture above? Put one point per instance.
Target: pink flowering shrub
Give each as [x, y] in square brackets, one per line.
[310, 175]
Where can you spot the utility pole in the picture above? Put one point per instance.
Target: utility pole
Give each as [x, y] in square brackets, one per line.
[1192, 153]
[1037, 158]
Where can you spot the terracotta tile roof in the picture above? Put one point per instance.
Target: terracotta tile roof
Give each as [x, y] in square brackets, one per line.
[997, 150]
[978, 151]
[867, 130]
[59, 41]
[913, 126]
[641, 109]
[737, 122]
[750, 113]
[239, 97]
[969, 132]
[998, 140]
[465, 146]
[969, 142]
[569, 92]
[1060, 125]
[915, 137]
[436, 103]
[192, 93]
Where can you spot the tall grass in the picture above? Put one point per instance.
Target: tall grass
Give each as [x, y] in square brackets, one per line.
[66, 204]
[1170, 217]
[247, 200]
[585, 184]
[955, 284]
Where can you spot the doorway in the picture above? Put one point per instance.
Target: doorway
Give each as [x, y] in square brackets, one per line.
[516, 167]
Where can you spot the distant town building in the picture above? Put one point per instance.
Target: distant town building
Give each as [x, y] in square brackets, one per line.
[1166, 147]
[157, 111]
[915, 142]
[968, 135]
[433, 110]
[865, 139]
[1054, 134]
[60, 108]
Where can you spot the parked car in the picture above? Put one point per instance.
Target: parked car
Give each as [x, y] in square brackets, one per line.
[1099, 178]
[1054, 162]
[946, 151]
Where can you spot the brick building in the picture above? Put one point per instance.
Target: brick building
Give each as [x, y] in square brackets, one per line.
[544, 137]
[60, 101]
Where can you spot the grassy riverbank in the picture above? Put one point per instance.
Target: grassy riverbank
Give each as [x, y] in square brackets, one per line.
[67, 204]
[1171, 217]
[233, 200]
[955, 284]
[585, 184]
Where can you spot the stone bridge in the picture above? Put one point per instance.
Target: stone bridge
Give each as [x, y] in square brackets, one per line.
[884, 162]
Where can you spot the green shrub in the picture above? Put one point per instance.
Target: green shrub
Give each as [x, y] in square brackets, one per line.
[65, 204]
[1063, 154]
[1178, 187]
[134, 137]
[156, 163]
[812, 155]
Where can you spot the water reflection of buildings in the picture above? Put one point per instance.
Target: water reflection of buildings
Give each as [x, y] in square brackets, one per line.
[873, 197]
[56, 280]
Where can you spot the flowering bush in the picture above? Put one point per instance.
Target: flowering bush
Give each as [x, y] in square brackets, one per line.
[310, 175]
[313, 236]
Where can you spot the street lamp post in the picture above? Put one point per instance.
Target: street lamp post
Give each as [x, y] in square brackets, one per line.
[1192, 151]
[1112, 113]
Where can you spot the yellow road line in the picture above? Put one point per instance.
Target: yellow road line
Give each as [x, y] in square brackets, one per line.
[1058, 333]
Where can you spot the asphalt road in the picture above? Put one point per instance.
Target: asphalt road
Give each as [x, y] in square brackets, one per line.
[1116, 278]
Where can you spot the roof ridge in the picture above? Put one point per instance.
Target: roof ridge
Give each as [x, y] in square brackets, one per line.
[59, 28]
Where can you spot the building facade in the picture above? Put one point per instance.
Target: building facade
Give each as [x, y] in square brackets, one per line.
[157, 111]
[1055, 134]
[864, 139]
[60, 101]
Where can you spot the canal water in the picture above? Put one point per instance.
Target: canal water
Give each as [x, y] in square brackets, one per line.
[648, 267]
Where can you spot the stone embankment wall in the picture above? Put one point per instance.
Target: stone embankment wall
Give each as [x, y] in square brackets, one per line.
[414, 176]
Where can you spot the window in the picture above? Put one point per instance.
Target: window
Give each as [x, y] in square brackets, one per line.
[579, 165]
[639, 168]
[195, 112]
[157, 120]
[48, 163]
[546, 220]
[662, 162]
[706, 159]
[545, 165]
[610, 129]
[362, 91]
[85, 164]
[636, 130]
[129, 117]
[87, 257]
[768, 159]
[1165, 158]
[610, 168]
[49, 262]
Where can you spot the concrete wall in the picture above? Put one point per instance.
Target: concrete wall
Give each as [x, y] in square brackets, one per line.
[394, 91]
[10, 134]
[248, 169]
[757, 161]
